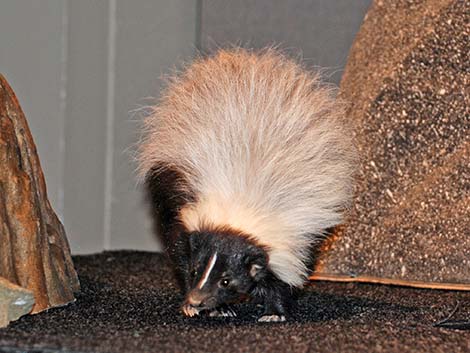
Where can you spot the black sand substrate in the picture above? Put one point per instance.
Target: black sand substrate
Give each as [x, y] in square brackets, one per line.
[129, 303]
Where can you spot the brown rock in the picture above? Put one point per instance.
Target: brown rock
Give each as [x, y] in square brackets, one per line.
[34, 252]
[14, 302]
[408, 79]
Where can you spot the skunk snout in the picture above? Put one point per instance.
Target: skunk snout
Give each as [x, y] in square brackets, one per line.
[197, 298]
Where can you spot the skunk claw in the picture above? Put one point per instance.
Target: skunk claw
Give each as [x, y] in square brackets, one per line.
[189, 310]
[272, 318]
[225, 312]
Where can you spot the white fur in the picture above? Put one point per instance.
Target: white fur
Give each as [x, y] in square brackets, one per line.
[207, 271]
[264, 147]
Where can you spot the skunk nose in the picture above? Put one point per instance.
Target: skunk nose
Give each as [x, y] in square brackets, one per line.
[195, 298]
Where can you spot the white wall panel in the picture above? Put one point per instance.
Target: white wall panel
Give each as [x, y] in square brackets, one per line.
[320, 31]
[85, 126]
[32, 59]
[151, 38]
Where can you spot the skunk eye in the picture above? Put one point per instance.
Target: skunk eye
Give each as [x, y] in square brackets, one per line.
[193, 273]
[225, 282]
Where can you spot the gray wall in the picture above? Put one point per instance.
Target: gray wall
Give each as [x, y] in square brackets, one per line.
[318, 31]
[82, 68]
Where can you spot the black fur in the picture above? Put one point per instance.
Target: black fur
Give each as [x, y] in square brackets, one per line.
[237, 257]
[237, 253]
[164, 185]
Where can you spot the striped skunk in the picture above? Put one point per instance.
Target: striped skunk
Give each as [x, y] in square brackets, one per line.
[248, 160]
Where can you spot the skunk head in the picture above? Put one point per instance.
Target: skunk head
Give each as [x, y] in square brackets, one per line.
[223, 268]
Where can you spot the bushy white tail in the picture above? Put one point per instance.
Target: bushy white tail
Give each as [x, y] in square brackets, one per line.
[264, 147]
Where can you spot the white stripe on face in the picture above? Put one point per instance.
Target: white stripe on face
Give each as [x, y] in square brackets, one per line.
[207, 271]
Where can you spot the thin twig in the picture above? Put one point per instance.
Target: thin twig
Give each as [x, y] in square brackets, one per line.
[456, 325]
[444, 321]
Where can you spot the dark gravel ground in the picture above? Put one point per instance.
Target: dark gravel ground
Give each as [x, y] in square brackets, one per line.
[129, 303]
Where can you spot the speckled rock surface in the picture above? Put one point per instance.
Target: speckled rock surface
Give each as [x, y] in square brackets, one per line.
[408, 79]
[129, 303]
[34, 251]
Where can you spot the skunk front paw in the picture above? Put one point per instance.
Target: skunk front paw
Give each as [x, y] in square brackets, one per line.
[272, 318]
[189, 310]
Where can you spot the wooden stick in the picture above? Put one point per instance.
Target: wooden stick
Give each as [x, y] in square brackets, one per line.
[390, 281]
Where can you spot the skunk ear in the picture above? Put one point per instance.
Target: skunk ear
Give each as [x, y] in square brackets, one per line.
[255, 271]
[257, 263]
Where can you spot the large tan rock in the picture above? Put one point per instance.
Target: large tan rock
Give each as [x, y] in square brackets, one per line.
[408, 81]
[14, 302]
[34, 252]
